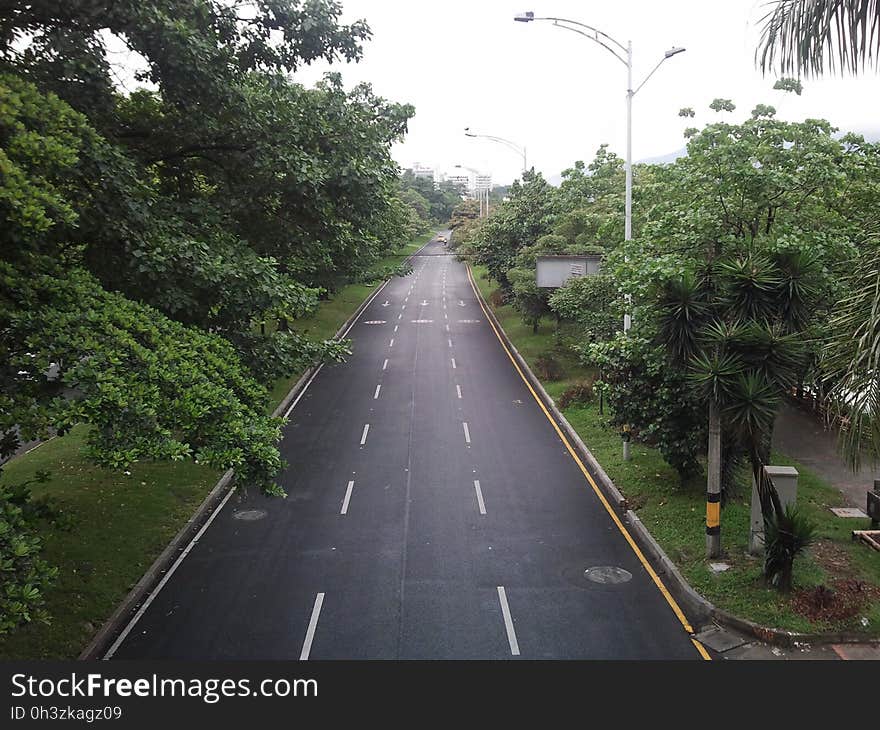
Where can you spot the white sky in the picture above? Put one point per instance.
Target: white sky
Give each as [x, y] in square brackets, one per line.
[467, 63]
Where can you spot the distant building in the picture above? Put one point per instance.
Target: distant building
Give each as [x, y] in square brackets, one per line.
[420, 170]
[462, 183]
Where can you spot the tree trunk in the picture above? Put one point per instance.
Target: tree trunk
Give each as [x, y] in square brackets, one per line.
[713, 484]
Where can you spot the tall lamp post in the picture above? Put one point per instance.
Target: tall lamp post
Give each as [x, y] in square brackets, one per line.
[521, 151]
[622, 53]
[477, 191]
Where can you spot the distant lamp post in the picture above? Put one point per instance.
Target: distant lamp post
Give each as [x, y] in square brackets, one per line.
[477, 191]
[520, 150]
[622, 53]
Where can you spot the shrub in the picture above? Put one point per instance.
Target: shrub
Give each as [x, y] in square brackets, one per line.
[497, 298]
[24, 575]
[593, 302]
[652, 398]
[548, 368]
[580, 392]
[787, 532]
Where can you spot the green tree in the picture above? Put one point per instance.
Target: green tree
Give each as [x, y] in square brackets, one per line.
[516, 225]
[147, 234]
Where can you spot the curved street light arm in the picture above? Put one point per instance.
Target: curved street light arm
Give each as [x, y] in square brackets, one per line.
[595, 39]
[512, 145]
[521, 151]
[596, 32]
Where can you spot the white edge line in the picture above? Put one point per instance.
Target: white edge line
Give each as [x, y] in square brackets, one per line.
[303, 391]
[146, 604]
[480, 502]
[313, 624]
[508, 621]
[347, 499]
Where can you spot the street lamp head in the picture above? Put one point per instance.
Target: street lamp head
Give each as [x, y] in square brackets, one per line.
[673, 51]
[468, 133]
[524, 17]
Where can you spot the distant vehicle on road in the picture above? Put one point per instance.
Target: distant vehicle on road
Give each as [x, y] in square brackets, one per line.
[441, 238]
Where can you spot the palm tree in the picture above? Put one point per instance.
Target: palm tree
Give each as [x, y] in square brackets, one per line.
[852, 361]
[806, 36]
[846, 34]
[738, 330]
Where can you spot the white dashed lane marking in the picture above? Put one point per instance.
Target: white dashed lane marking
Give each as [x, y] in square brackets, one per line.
[508, 621]
[345, 501]
[313, 624]
[480, 503]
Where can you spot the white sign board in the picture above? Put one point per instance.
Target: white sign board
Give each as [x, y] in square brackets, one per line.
[554, 271]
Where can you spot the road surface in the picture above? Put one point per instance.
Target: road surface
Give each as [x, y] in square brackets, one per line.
[433, 512]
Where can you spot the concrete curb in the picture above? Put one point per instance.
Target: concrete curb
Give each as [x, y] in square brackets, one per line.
[126, 610]
[698, 610]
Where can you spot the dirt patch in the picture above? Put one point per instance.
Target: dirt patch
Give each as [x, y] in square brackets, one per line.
[844, 599]
[833, 559]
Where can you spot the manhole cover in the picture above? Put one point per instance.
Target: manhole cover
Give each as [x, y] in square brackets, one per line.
[607, 574]
[249, 515]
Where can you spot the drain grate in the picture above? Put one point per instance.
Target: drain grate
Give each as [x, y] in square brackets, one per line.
[249, 515]
[607, 575]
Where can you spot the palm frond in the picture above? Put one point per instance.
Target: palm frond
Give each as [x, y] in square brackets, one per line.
[851, 362]
[809, 36]
[751, 282]
[751, 409]
[716, 375]
[681, 310]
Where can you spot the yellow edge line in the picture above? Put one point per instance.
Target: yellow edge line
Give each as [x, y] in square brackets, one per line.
[656, 578]
[702, 650]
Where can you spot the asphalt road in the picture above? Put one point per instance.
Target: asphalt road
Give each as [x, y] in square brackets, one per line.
[433, 512]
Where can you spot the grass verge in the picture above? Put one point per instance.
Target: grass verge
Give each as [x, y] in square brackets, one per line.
[120, 522]
[675, 512]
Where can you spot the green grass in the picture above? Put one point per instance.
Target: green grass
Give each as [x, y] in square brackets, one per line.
[675, 513]
[120, 523]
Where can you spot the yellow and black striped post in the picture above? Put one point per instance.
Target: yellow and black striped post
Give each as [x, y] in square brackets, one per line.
[713, 515]
[713, 484]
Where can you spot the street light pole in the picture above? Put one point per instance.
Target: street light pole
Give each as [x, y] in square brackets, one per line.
[624, 55]
[477, 191]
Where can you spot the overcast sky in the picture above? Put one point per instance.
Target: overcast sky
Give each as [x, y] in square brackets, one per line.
[467, 63]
